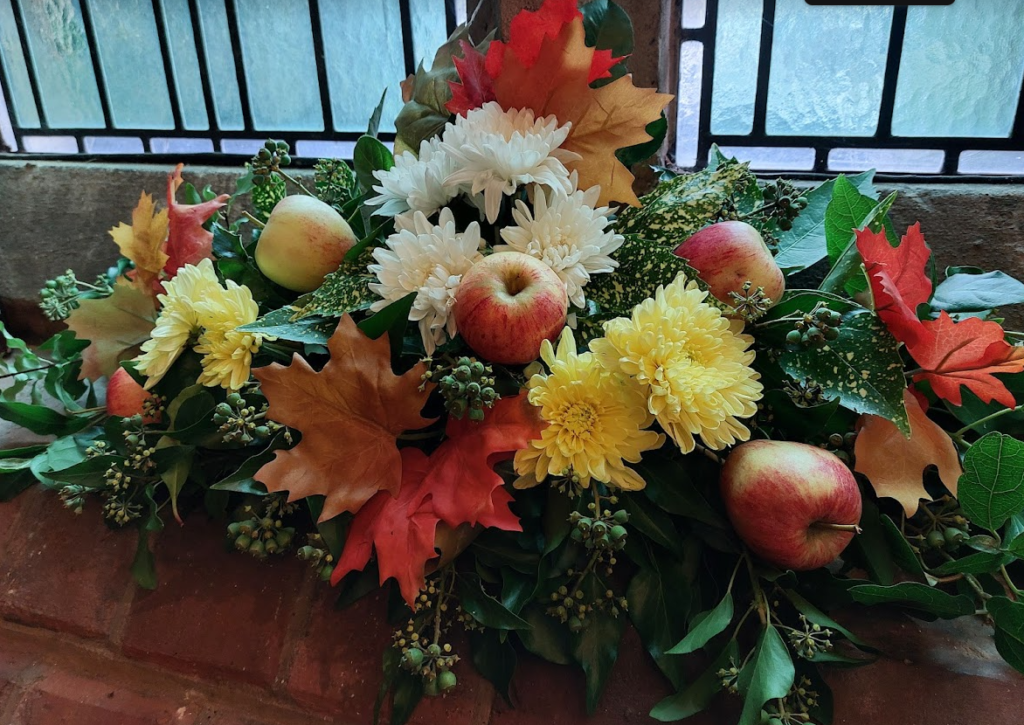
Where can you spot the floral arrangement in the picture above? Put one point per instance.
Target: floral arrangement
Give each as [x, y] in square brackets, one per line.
[483, 373]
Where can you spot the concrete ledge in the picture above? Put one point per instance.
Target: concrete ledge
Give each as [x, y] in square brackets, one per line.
[56, 215]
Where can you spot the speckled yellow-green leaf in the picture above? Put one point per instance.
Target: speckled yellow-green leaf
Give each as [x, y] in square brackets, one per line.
[341, 292]
[862, 368]
[687, 203]
[266, 196]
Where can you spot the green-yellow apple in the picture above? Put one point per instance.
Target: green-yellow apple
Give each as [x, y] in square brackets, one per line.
[303, 241]
[794, 505]
[727, 255]
[507, 305]
[126, 398]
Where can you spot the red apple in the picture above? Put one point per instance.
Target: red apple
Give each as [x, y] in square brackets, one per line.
[727, 255]
[303, 241]
[507, 305]
[795, 505]
[125, 397]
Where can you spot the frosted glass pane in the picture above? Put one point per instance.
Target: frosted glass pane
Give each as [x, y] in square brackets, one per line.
[220, 64]
[691, 70]
[429, 29]
[50, 144]
[923, 161]
[67, 84]
[772, 158]
[961, 69]
[737, 44]
[827, 69]
[992, 162]
[325, 149]
[694, 13]
[181, 145]
[112, 145]
[280, 65]
[181, 42]
[135, 82]
[241, 146]
[6, 129]
[16, 82]
[363, 49]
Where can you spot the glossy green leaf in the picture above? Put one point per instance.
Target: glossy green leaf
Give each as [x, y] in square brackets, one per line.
[495, 659]
[370, 155]
[1009, 635]
[545, 638]
[916, 596]
[281, 323]
[173, 465]
[980, 562]
[846, 211]
[711, 624]
[991, 487]
[697, 695]
[767, 676]
[484, 608]
[977, 292]
[596, 647]
[659, 601]
[41, 420]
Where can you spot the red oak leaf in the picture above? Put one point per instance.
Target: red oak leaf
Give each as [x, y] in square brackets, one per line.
[899, 280]
[400, 528]
[464, 486]
[966, 353]
[187, 241]
[477, 87]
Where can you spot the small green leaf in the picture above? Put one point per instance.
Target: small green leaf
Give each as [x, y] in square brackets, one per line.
[374, 124]
[484, 608]
[370, 155]
[659, 600]
[902, 554]
[712, 624]
[1009, 636]
[144, 564]
[678, 486]
[596, 647]
[651, 521]
[846, 212]
[915, 596]
[495, 659]
[816, 616]
[281, 323]
[545, 638]
[173, 465]
[981, 562]
[696, 696]
[977, 292]
[88, 473]
[607, 27]
[41, 420]
[767, 676]
[391, 319]
[991, 487]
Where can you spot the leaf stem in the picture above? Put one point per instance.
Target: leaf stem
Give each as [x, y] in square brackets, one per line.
[253, 219]
[288, 177]
[1009, 582]
[986, 419]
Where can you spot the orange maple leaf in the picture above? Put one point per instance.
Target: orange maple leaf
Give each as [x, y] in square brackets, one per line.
[899, 279]
[603, 119]
[187, 241]
[895, 465]
[143, 241]
[966, 353]
[349, 414]
[115, 327]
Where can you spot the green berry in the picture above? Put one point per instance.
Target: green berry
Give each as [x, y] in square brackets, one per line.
[794, 337]
[270, 546]
[621, 516]
[257, 548]
[235, 528]
[831, 334]
[462, 374]
[431, 687]
[446, 680]
[235, 399]
[261, 431]
[936, 540]
[575, 625]
[412, 659]
[477, 368]
[617, 532]
[434, 650]
[325, 572]
[600, 528]
[242, 542]
[224, 409]
[954, 536]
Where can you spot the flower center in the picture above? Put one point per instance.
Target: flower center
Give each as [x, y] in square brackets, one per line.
[579, 418]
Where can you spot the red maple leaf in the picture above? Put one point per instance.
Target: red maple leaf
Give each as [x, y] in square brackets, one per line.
[461, 479]
[899, 281]
[455, 485]
[400, 528]
[965, 353]
[187, 241]
[477, 87]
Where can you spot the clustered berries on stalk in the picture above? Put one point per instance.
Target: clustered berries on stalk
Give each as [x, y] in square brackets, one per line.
[467, 386]
[751, 303]
[61, 295]
[263, 532]
[319, 557]
[817, 328]
[784, 201]
[334, 181]
[241, 422]
[943, 529]
[424, 653]
[269, 186]
[805, 393]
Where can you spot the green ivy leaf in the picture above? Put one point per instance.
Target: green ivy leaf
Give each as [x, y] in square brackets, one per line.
[642, 151]
[977, 292]
[767, 676]
[42, 420]
[696, 696]
[607, 27]
[391, 319]
[312, 330]
[981, 562]
[707, 626]
[845, 212]
[545, 638]
[659, 598]
[495, 659]
[677, 486]
[1009, 636]
[816, 616]
[916, 596]
[596, 646]
[847, 271]
[899, 547]
[805, 244]
[173, 464]
[973, 410]
[370, 155]
[651, 521]
[991, 487]
[486, 609]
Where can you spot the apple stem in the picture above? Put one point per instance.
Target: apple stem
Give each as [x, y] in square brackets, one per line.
[837, 527]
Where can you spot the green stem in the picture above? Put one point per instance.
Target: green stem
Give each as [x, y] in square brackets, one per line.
[253, 219]
[288, 177]
[976, 586]
[1009, 582]
[986, 419]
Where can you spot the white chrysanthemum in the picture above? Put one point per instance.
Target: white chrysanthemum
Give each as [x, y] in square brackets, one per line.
[568, 234]
[416, 183]
[498, 151]
[429, 260]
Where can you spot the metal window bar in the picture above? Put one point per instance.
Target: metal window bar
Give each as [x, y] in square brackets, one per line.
[883, 138]
[213, 132]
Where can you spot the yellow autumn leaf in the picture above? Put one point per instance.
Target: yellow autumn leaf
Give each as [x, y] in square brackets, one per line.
[143, 241]
[115, 327]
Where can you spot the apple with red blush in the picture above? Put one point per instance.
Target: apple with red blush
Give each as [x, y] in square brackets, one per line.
[729, 254]
[126, 398]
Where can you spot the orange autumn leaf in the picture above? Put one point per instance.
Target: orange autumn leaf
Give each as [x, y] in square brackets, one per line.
[350, 414]
[143, 241]
[603, 119]
[966, 353]
[899, 279]
[115, 327]
[895, 465]
[187, 241]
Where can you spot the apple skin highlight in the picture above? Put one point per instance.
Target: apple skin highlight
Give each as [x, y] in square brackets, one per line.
[786, 499]
[727, 255]
[507, 305]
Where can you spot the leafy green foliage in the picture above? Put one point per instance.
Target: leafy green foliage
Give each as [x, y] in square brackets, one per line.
[659, 597]
[281, 323]
[1009, 621]
[697, 695]
[596, 647]
[40, 419]
[370, 155]
[918, 597]
[991, 488]
[979, 292]
[485, 609]
[706, 626]
[767, 676]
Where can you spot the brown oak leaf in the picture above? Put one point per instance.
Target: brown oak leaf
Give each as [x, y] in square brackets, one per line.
[143, 241]
[115, 327]
[895, 465]
[350, 414]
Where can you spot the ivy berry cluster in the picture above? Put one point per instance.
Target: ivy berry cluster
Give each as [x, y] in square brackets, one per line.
[816, 329]
[467, 387]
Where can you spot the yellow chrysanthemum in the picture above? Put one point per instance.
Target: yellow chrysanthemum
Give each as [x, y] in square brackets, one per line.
[693, 364]
[178, 322]
[595, 422]
[227, 352]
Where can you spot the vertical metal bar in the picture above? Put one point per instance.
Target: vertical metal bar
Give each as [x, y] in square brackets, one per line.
[407, 46]
[449, 15]
[204, 70]
[704, 139]
[892, 70]
[764, 65]
[236, 52]
[321, 65]
[30, 68]
[165, 53]
[669, 48]
[94, 55]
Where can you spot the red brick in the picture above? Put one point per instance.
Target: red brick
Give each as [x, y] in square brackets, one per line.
[64, 699]
[337, 664]
[64, 572]
[215, 612]
[10, 510]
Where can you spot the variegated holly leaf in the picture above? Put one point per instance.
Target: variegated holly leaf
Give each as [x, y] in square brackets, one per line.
[341, 292]
[681, 206]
